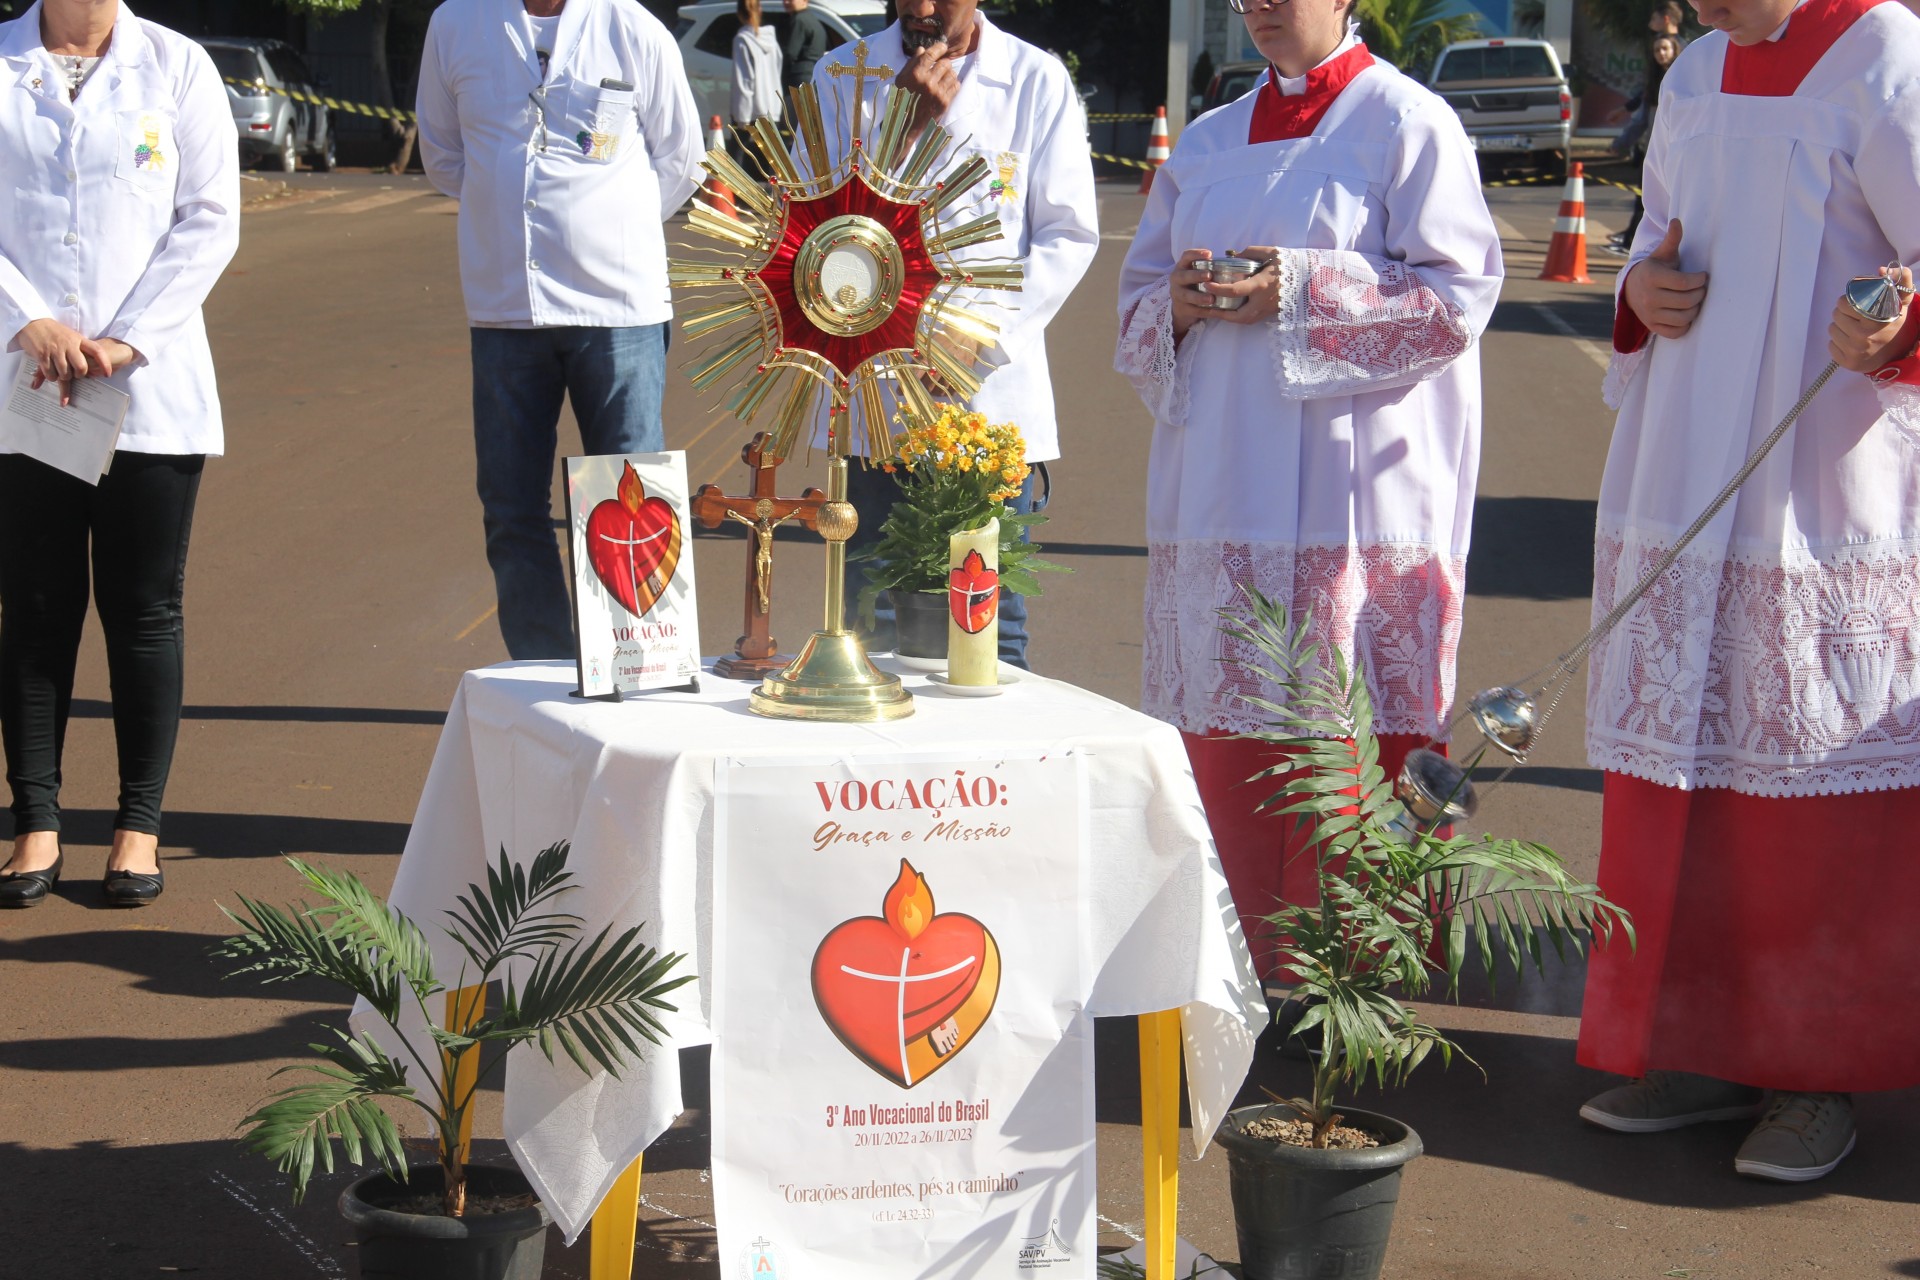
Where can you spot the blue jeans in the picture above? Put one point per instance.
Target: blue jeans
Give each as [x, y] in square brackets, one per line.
[614, 378]
[872, 493]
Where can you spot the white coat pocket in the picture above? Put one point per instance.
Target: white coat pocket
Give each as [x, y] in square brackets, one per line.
[601, 119]
[146, 156]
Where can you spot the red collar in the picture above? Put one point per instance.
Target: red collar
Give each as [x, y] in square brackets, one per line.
[1277, 117]
[1775, 68]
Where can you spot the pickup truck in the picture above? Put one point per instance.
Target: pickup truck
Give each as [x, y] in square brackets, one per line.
[1510, 94]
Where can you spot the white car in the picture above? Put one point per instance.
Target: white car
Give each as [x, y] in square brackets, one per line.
[705, 32]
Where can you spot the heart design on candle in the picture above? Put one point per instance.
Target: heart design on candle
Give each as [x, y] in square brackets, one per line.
[633, 544]
[973, 594]
[906, 990]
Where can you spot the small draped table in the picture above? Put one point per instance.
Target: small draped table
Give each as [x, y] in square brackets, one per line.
[522, 764]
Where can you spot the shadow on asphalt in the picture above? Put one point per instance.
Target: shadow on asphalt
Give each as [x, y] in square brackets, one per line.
[1589, 314]
[97, 709]
[233, 835]
[165, 962]
[1532, 548]
[211, 1210]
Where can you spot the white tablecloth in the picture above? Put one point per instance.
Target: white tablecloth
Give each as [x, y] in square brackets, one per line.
[521, 764]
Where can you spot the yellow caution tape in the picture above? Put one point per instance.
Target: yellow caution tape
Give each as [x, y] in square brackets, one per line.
[1609, 182]
[1114, 117]
[331, 104]
[1122, 160]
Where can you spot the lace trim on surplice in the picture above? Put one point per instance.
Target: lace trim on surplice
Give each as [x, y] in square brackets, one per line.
[1149, 358]
[1348, 324]
[1772, 677]
[1396, 607]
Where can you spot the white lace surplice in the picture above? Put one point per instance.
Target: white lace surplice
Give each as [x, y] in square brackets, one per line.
[1327, 458]
[1778, 656]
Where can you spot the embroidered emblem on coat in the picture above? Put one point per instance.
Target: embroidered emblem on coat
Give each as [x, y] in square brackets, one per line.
[147, 154]
[596, 145]
[1003, 188]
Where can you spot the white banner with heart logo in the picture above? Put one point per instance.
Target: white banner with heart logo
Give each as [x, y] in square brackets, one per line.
[903, 1063]
[635, 621]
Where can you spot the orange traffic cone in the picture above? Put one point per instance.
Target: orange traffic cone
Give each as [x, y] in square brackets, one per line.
[1567, 254]
[718, 195]
[1157, 149]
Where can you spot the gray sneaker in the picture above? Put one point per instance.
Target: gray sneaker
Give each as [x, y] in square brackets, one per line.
[1803, 1136]
[1671, 1100]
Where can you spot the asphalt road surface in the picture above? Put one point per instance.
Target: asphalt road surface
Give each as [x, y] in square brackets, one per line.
[338, 589]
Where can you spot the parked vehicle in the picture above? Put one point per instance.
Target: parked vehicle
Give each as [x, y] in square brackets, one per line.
[1232, 81]
[706, 30]
[275, 130]
[1511, 95]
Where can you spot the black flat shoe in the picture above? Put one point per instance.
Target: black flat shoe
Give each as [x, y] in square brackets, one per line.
[30, 888]
[132, 888]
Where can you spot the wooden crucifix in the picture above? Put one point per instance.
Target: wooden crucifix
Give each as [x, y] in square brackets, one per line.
[755, 654]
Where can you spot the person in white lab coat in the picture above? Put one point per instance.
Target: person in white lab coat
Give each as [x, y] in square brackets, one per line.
[568, 133]
[1015, 105]
[117, 146]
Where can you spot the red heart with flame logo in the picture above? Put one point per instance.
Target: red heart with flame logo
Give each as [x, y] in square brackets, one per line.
[973, 594]
[633, 544]
[907, 990]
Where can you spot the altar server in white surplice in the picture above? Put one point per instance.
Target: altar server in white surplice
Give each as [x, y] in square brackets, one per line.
[1014, 106]
[1758, 714]
[1319, 444]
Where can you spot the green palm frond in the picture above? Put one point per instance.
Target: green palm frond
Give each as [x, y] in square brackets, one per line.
[280, 944]
[352, 911]
[592, 1001]
[297, 1129]
[504, 923]
[1394, 912]
[598, 1002]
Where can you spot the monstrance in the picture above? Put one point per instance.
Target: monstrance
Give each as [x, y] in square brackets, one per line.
[841, 277]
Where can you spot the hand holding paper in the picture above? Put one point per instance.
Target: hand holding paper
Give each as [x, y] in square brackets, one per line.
[72, 426]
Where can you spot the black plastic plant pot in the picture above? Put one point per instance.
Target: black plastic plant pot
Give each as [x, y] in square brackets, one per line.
[920, 624]
[1303, 1213]
[418, 1246]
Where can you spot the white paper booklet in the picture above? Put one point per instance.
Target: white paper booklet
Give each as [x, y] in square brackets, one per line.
[78, 437]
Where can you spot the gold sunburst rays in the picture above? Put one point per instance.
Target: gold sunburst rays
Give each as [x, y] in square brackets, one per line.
[818, 288]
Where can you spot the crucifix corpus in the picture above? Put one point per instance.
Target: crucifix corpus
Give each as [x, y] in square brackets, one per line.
[755, 653]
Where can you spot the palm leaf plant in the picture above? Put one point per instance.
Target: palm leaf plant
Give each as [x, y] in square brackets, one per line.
[596, 1001]
[1400, 906]
[1411, 33]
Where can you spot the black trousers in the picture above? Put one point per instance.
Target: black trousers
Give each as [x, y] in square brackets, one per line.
[131, 532]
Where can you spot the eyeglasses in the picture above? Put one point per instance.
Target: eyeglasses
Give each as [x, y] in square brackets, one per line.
[1247, 6]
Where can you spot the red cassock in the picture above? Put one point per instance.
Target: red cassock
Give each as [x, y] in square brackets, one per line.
[1757, 713]
[1265, 857]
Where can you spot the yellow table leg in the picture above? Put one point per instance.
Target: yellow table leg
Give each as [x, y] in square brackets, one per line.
[614, 1222]
[1160, 1135]
[465, 1006]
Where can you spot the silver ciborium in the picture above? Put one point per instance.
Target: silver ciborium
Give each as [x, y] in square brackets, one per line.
[1508, 718]
[1434, 788]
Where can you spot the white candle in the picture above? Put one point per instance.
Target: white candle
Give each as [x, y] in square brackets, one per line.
[973, 606]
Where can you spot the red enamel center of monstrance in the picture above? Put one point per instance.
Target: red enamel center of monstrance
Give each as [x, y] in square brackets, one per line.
[920, 278]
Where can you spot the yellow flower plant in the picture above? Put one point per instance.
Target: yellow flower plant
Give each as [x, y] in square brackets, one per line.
[956, 472]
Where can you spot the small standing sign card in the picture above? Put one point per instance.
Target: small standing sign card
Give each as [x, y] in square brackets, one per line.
[633, 600]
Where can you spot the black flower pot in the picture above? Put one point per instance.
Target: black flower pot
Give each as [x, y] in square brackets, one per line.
[1303, 1213]
[920, 624]
[416, 1246]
